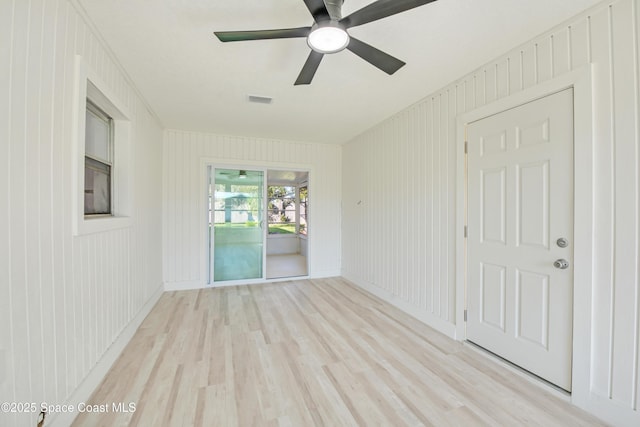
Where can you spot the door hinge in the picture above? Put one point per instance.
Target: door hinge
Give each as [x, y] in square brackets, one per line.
[466, 232]
[465, 315]
[466, 147]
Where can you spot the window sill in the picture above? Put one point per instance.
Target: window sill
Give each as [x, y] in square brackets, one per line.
[100, 224]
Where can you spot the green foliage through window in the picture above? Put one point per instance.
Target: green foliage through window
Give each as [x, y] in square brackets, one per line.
[285, 215]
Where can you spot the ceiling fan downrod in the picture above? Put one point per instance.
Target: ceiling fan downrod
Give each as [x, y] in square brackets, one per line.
[334, 7]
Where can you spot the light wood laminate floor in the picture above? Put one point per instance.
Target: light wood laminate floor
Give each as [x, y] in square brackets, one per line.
[306, 353]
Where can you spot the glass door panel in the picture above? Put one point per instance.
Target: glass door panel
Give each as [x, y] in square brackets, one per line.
[237, 223]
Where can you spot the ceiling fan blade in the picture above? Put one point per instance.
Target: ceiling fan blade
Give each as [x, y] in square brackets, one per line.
[318, 10]
[309, 68]
[375, 57]
[285, 33]
[380, 9]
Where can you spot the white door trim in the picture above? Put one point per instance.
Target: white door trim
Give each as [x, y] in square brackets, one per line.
[581, 82]
[203, 279]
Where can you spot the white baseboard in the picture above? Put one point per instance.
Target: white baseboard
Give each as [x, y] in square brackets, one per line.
[86, 388]
[183, 286]
[611, 412]
[442, 326]
[324, 273]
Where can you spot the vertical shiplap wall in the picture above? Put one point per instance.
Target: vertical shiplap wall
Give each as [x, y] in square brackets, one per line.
[399, 187]
[184, 197]
[64, 300]
[399, 209]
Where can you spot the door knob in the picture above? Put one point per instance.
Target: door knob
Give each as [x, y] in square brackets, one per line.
[562, 264]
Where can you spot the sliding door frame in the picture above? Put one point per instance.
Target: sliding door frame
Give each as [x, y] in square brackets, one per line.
[210, 191]
[206, 252]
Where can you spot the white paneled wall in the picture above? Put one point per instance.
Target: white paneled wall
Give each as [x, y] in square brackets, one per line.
[184, 197]
[399, 209]
[64, 300]
[399, 192]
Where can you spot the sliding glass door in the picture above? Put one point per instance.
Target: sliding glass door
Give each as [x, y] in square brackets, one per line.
[236, 221]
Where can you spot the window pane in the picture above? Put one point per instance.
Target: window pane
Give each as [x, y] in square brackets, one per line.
[97, 134]
[282, 209]
[236, 204]
[97, 187]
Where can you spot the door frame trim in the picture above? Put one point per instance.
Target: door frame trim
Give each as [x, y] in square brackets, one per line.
[205, 162]
[581, 82]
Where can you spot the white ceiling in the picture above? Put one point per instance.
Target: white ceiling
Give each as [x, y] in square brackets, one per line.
[194, 82]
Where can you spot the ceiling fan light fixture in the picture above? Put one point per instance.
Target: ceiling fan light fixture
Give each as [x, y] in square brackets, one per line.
[328, 37]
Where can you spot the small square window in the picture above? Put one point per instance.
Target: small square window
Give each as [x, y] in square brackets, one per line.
[98, 163]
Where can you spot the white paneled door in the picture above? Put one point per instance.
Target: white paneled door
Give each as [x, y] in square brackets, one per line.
[520, 236]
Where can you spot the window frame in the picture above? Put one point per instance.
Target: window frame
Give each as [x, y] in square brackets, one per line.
[306, 209]
[108, 163]
[89, 86]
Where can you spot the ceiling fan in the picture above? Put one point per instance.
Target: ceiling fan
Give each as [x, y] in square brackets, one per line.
[233, 174]
[329, 33]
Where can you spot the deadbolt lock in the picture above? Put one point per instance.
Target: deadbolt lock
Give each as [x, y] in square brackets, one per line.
[562, 242]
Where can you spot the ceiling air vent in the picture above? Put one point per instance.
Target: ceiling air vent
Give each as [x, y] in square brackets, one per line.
[260, 99]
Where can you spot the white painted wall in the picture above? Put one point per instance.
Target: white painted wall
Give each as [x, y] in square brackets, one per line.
[399, 189]
[67, 304]
[184, 227]
[283, 245]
